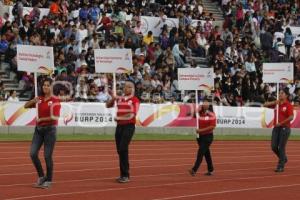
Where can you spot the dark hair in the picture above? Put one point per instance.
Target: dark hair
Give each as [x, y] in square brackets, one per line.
[43, 82]
[11, 92]
[209, 100]
[286, 91]
[128, 80]
[288, 30]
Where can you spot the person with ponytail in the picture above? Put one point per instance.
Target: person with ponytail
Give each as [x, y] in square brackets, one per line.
[45, 132]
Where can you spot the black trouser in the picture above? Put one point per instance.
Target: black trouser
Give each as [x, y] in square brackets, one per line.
[288, 50]
[46, 135]
[123, 137]
[280, 136]
[204, 142]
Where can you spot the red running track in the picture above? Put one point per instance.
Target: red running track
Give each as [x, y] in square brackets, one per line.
[87, 170]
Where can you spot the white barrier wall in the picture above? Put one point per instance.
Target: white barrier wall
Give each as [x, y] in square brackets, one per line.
[150, 115]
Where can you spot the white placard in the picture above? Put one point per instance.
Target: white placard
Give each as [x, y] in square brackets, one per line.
[35, 59]
[113, 60]
[278, 72]
[195, 79]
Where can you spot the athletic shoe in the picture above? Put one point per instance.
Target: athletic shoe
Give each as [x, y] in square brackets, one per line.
[192, 172]
[208, 174]
[46, 185]
[40, 181]
[279, 170]
[123, 180]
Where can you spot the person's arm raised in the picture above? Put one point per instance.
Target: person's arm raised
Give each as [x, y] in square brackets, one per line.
[31, 103]
[270, 103]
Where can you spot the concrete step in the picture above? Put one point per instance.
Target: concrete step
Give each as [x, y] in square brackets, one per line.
[11, 85]
[2, 72]
[208, 6]
[4, 65]
[4, 76]
[24, 99]
[25, 95]
[213, 7]
[8, 80]
[10, 89]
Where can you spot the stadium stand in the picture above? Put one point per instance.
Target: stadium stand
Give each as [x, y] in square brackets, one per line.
[234, 37]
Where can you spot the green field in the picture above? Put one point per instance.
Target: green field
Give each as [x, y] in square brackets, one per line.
[84, 137]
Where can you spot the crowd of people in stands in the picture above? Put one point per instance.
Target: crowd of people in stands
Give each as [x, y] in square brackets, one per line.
[253, 32]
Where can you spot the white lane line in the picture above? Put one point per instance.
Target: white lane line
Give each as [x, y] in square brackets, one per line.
[135, 167]
[227, 150]
[113, 160]
[148, 186]
[229, 191]
[132, 149]
[163, 154]
[241, 171]
[216, 145]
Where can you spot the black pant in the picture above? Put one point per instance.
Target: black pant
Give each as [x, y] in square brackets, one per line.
[204, 142]
[280, 136]
[46, 135]
[288, 50]
[123, 137]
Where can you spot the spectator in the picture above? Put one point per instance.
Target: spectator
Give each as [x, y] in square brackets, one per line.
[103, 95]
[55, 8]
[13, 96]
[148, 39]
[94, 13]
[252, 34]
[288, 41]
[93, 94]
[81, 90]
[84, 13]
[155, 82]
[2, 93]
[105, 25]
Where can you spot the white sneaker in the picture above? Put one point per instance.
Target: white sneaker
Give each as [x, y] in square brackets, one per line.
[40, 181]
[46, 185]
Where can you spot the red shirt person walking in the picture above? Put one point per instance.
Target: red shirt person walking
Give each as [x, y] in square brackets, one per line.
[281, 130]
[127, 108]
[207, 123]
[45, 132]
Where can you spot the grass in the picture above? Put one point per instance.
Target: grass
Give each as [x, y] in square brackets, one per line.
[150, 137]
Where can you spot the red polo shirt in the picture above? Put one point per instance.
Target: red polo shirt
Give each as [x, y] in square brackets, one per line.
[125, 106]
[205, 120]
[48, 107]
[285, 110]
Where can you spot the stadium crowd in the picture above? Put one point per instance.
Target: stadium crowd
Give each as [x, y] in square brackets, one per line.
[253, 32]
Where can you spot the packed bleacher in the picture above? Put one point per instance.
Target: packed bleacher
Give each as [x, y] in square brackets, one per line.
[249, 34]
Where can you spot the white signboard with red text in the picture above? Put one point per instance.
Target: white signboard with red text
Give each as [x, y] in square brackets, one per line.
[113, 60]
[35, 59]
[278, 72]
[195, 78]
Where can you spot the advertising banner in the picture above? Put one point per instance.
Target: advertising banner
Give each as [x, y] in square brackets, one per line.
[150, 115]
